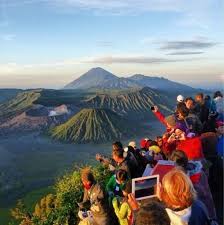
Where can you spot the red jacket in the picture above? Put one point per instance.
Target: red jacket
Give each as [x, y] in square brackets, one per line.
[192, 147]
[160, 117]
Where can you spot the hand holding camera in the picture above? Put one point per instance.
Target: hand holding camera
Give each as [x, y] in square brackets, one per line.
[154, 108]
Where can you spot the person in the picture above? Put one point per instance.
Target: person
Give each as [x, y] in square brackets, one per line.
[219, 103]
[152, 213]
[144, 145]
[190, 145]
[119, 161]
[137, 159]
[199, 179]
[210, 104]
[94, 200]
[169, 122]
[133, 144]
[179, 196]
[190, 104]
[201, 109]
[187, 121]
[116, 184]
[122, 208]
[154, 153]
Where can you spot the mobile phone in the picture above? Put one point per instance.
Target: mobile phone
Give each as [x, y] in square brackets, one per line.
[152, 108]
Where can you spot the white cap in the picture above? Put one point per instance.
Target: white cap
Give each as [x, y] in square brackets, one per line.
[180, 98]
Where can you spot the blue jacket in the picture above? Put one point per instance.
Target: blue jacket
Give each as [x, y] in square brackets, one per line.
[220, 146]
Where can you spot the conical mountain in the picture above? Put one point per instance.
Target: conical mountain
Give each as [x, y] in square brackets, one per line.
[92, 125]
[98, 78]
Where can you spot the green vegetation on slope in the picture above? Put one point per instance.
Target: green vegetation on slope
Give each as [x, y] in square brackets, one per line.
[61, 207]
[131, 104]
[19, 104]
[92, 125]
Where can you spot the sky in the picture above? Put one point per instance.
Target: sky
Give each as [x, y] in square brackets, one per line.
[49, 43]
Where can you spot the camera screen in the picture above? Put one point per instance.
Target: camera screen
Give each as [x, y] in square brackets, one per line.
[145, 188]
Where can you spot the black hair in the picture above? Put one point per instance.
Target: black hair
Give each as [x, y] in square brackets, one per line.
[200, 94]
[119, 152]
[121, 175]
[117, 144]
[189, 99]
[217, 94]
[180, 158]
[182, 109]
[128, 187]
[153, 143]
[152, 213]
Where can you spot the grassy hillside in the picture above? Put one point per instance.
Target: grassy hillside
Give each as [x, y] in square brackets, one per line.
[135, 104]
[59, 207]
[19, 104]
[92, 125]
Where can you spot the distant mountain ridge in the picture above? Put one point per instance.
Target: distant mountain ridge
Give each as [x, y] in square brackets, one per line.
[160, 83]
[98, 78]
[134, 104]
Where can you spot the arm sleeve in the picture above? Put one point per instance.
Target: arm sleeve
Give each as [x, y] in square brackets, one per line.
[122, 212]
[160, 117]
[110, 184]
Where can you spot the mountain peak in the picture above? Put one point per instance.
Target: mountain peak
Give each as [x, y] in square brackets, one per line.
[97, 125]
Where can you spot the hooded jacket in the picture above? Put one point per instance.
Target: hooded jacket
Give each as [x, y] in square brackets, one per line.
[196, 214]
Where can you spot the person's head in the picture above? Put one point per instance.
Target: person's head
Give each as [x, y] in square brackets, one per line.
[152, 213]
[87, 177]
[159, 140]
[145, 143]
[170, 121]
[118, 155]
[180, 134]
[121, 176]
[220, 130]
[132, 144]
[182, 110]
[180, 158]
[189, 102]
[127, 189]
[117, 145]
[177, 190]
[199, 98]
[218, 94]
[207, 98]
[180, 98]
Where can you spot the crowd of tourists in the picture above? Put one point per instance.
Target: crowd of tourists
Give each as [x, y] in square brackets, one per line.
[190, 193]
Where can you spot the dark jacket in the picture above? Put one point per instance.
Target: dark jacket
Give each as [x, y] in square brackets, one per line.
[199, 214]
[95, 199]
[200, 182]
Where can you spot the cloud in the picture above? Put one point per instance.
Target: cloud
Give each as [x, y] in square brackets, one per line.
[130, 59]
[184, 53]
[193, 44]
